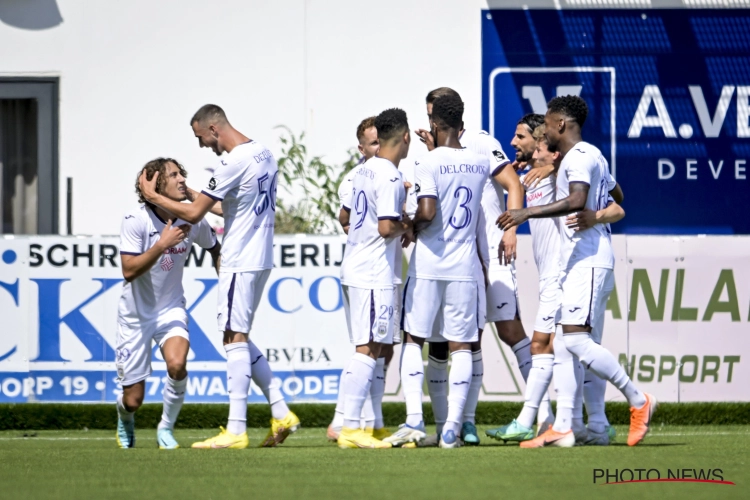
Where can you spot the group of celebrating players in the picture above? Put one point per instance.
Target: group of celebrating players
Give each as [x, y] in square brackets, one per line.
[446, 212]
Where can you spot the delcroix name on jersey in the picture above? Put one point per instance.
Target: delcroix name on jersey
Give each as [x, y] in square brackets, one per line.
[464, 168]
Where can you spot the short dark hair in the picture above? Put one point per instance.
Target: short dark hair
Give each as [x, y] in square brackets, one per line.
[440, 92]
[364, 125]
[448, 111]
[209, 112]
[390, 123]
[571, 106]
[532, 121]
[157, 165]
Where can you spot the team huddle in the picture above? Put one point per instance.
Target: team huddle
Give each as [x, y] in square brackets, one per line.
[446, 212]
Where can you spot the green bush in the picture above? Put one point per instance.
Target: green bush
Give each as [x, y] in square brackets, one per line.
[30, 416]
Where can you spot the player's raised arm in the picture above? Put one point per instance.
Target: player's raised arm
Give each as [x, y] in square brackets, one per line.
[191, 212]
[217, 210]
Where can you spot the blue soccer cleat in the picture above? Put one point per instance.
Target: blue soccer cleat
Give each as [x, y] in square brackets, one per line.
[511, 432]
[449, 440]
[166, 439]
[469, 434]
[125, 433]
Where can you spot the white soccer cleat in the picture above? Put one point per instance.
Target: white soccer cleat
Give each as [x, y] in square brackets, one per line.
[449, 440]
[406, 434]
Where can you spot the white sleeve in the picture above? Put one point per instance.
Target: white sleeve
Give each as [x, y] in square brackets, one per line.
[227, 177]
[132, 235]
[425, 184]
[389, 195]
[496, 155]
[346, 191]
[579, 167]
[205, 236]
[611, 183]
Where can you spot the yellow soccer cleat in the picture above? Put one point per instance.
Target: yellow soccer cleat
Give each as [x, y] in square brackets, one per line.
[369, 430]
[280, 430]
[225, 439]
[381, 433]
[357, 438]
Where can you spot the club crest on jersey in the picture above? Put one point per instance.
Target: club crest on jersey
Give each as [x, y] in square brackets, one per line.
[212, 183]
[382, 327]
[499, 155]
[167, 263]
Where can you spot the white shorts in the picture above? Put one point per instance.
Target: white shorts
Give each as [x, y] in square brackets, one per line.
[502, 294]
[549, 304]
[437, 326]
[585, 291]
[397, 310]
[134, 344]
[597, 325]
[369, 314]
[453, 302]
[239, 298]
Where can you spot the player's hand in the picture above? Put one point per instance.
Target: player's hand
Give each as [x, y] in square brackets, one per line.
[537, 175]
[172, 236]
[148, 187]
[506, 251]
[426, 137]
[512, 218]
[407, 186]
[579, 221]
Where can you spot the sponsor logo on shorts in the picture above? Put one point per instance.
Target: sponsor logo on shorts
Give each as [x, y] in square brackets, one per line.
[547, 318]
[574, 309]
[502, 305]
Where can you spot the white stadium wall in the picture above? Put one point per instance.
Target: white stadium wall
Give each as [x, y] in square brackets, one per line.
[679, 321]
[132, 73]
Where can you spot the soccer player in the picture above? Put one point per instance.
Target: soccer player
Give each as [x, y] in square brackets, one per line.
[372, 413]
[545, 239]
[243, 191]
[448, 185]
[368, 268]
[587, 264]
[502, 293]
[154, 245]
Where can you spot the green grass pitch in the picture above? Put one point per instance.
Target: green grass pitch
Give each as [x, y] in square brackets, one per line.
[88, 464]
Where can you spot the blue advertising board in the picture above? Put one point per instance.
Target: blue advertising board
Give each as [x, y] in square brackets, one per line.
[669, 103]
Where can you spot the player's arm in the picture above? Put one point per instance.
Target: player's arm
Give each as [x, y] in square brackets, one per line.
[344, 219]
[617, 194]
[192, 194]
[190, 212]
[426, 211]
[586, 218]
[575, 202]
[389, 228]
[135, 265]
[537, 175]
[215, 252]
[508, 179]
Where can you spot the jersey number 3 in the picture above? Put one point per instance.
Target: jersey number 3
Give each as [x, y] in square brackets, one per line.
[465, 215]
